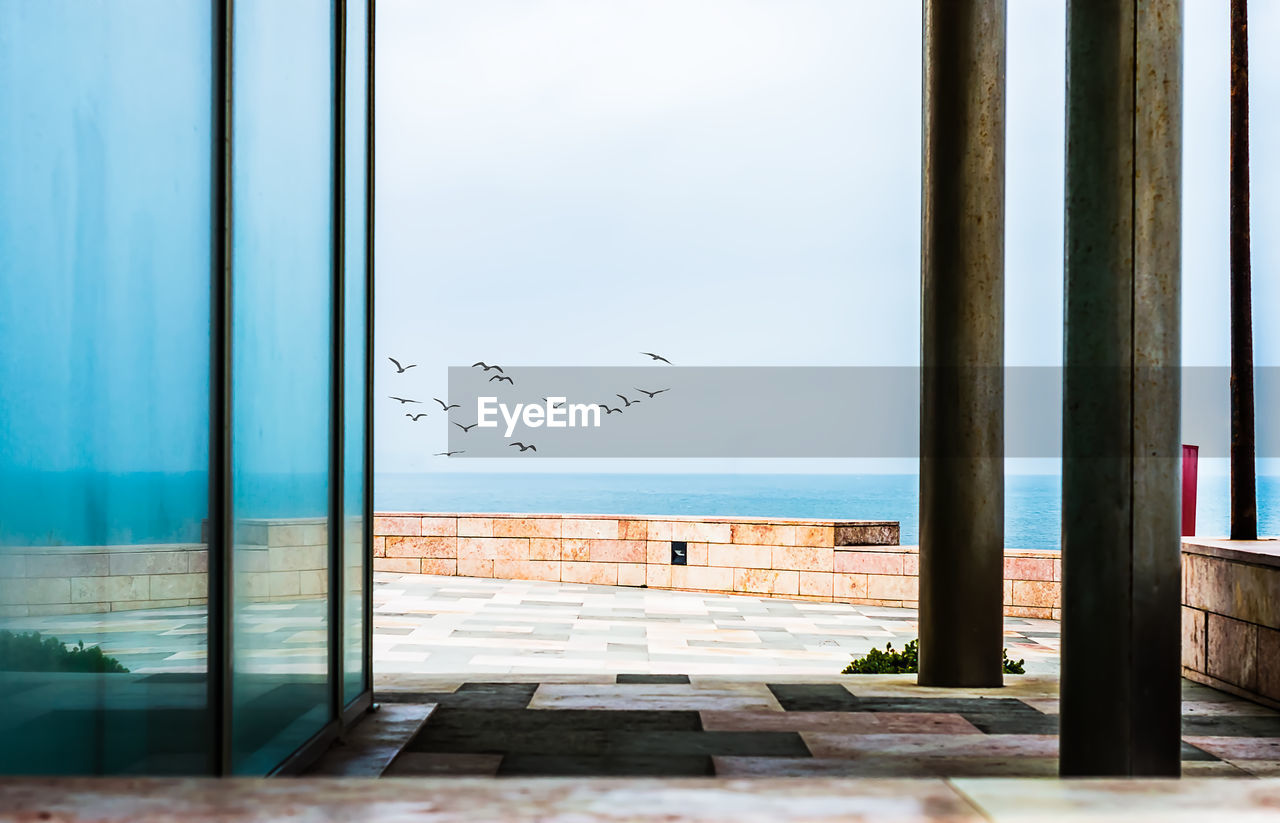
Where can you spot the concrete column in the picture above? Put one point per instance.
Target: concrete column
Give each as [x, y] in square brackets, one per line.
[962, 346]
[1120, 509]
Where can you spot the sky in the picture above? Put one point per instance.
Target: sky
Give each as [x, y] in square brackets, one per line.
[731, 183]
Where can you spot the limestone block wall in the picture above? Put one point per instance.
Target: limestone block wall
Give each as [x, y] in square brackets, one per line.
[281, 559]
[275, 559]
[889, 576]
[1231, 616]
[81, 579]
[794, 558]
[831, 560]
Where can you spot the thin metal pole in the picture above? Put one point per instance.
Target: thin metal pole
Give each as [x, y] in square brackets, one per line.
[1244, 492]
[1121, 632]
[962, 347]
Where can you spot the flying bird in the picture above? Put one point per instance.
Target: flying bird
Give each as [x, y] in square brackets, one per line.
[554, 406]
[465, 428]
[401, 369]
[486, 366]
[449, 454]
[652, 394]
[443, 406]
[626, 401]
[657, 357]
[523, 447]
[403, 399]
[416, 417]
[608, 410]
[500, 378]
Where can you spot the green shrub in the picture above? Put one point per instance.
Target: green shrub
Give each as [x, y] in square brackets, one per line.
[907, 661]
[30, 652]
[887, 661]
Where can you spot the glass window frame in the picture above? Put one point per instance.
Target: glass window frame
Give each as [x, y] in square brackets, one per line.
[342, 714]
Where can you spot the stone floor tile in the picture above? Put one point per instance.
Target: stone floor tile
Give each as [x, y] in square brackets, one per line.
[1021, 686]
[1190, 800]
[843, 722]
[657, 696]
[370, 747]
[1237, 748]
[442, 739]
[551, 723]
[838, 744]
[1044, 705]
[1231, 725]
[1212, 768]
[762, 743]
[1236, 708]
[469, 695]
[432, 764]
[614, 765]
[1258, 768]
[997, 722]
[887, 766]
[653, 678]
[814, 697]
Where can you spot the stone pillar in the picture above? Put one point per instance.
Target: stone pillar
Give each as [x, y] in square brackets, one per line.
[1120, 510]
[962, 345]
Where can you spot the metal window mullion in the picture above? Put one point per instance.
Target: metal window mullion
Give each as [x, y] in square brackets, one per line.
[220, 532]
[370, 38]
[337, 395]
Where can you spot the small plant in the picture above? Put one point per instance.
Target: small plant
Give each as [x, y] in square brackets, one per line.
[30, 652]
[887, 661]
[907, 661]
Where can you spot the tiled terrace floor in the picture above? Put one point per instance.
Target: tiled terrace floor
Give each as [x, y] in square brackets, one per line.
[459, 625]
[474, 627]
[855, 726]
[547, 679]
[550, 679]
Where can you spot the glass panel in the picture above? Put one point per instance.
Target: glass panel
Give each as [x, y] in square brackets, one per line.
[282, 299]
[104, 385]
[354, 675]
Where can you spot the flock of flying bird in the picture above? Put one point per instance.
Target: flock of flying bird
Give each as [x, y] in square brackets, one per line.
[502, 377]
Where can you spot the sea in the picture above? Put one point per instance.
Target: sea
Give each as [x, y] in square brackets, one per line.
[81, 508]
[1033, 502]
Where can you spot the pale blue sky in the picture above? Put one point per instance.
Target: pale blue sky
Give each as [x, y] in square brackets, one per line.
[730, 182]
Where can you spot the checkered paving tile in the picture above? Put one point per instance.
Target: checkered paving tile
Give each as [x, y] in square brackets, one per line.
[470, 626]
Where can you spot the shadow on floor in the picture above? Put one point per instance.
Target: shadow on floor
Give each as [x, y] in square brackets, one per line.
[668, 726]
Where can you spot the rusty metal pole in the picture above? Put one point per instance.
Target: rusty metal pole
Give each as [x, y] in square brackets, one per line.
[1121, 629]
[962, 344]
[1244, 492]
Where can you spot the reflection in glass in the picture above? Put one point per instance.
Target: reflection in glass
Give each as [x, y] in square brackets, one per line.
[105, 239]
[281, 318]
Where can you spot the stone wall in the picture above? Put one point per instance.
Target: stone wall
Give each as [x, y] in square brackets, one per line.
[281, 559]
[1032, 579]
[275, 560]
[79, 579]
[847, 561]
[1231, 616]
[831, 560]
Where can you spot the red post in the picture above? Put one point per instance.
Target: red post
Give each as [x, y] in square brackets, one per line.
[1190, 459]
